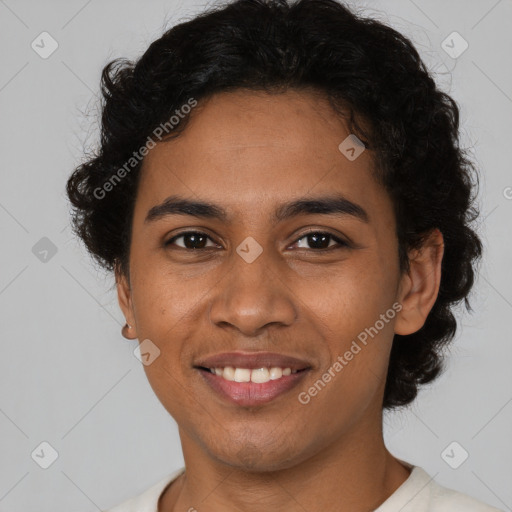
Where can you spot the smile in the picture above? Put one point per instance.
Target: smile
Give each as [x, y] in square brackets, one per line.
[251, 387]
[258, 375]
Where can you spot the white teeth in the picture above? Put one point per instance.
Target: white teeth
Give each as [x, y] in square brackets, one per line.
[257, 375]
[228, 373]
[275, 373]
[242, 375]
[260, 375]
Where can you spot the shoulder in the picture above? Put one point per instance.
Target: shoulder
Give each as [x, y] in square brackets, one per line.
[444, 499]
[148, 500]
[421, 493]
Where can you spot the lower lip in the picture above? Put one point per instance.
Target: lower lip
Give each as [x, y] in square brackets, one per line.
[251, 393]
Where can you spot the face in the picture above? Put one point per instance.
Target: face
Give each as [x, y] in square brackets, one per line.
[248, 273]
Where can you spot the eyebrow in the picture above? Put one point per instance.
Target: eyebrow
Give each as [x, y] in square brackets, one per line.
[336, 205]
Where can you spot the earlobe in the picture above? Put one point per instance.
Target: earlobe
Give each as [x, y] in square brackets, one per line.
[124, 298]
[420, 286]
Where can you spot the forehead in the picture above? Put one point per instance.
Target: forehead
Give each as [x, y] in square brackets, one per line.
[249, 149]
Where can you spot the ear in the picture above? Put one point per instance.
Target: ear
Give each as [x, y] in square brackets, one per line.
[124, 297]
[420, 285]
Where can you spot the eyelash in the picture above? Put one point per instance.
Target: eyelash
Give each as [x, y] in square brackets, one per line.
[341, 243]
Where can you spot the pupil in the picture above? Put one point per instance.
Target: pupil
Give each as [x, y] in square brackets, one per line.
[316, 236]
[194, 237]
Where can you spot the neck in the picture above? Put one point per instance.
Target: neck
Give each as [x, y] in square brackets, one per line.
[355, 473]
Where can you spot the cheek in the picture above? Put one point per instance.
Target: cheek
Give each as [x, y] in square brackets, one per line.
[354, 313]
[163, 298]
[163, 315]
[351, 298]
[358, 340]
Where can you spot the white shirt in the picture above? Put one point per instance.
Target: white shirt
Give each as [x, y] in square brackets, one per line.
[419, 493]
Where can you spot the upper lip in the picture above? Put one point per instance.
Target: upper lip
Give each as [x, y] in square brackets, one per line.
[252, 360]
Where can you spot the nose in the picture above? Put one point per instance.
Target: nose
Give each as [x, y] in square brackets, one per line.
[252, 296]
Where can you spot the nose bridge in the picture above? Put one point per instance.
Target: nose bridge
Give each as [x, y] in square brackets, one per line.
[252, 295]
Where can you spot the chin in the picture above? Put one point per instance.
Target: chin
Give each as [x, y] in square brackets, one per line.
[259, 458]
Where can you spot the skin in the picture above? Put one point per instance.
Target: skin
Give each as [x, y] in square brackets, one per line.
[250, 152]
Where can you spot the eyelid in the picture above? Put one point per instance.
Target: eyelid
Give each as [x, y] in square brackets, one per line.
[322, 231]
[189, 232]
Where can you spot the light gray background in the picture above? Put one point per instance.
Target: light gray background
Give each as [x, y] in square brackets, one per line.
[69, 378]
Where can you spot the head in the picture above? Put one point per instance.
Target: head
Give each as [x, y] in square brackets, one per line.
[248, 217]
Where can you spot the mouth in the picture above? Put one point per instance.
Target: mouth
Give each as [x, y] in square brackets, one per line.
[251, 378]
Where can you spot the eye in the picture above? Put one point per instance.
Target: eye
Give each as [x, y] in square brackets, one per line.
[192, 240]
[320, 240]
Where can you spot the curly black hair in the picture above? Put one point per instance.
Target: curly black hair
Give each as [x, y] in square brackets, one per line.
[371, 74]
